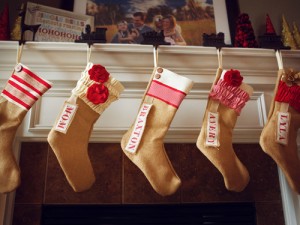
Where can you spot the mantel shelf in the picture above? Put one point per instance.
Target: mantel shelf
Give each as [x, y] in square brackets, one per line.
[126, 61]
[135, 48]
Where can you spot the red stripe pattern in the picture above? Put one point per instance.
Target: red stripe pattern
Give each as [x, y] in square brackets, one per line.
[166, 93]
[24, 87]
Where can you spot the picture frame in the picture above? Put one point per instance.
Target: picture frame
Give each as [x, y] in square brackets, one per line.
[223, 22]
[56, 25]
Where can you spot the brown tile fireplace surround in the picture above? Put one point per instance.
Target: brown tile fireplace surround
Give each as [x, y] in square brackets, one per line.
[120, 182]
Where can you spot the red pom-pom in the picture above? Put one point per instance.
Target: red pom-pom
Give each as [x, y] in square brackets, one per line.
[98, 73]
[97, 93]
[233, 78]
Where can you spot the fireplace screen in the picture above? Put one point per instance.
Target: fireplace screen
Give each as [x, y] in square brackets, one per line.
[167, 214]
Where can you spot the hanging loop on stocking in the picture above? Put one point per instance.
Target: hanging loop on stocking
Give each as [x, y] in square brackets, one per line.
[155, 55]
[19, 53]
[89, 53]
[279, 59]
[284, 106]
[220, 59]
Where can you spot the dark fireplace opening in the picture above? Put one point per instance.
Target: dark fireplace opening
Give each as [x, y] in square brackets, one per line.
[150, 214]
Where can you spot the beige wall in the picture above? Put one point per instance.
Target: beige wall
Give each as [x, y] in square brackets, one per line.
[257, 10]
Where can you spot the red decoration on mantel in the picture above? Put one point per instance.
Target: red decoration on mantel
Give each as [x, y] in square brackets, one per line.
[4, 24]
[244, 35]
[269, 26]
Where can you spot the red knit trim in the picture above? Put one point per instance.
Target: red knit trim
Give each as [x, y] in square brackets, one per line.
[289, 94]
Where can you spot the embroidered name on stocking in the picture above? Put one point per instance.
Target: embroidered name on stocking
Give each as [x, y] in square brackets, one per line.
[212, 130]
[65, 118]
[138, 129]
[283, 122]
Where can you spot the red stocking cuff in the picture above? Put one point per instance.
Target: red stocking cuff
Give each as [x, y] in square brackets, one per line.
[289, 94]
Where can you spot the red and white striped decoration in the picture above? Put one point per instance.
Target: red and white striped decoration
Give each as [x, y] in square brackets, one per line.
[169, 87]
[24, 87]
[166, 93]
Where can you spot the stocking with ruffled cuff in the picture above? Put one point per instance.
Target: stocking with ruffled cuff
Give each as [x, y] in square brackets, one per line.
[278, 137]
[69, 137]
[226, 99]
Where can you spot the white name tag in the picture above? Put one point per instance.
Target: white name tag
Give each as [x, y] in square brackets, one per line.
[283, 124]
[212, 130]
[138, 129]
[66, 118]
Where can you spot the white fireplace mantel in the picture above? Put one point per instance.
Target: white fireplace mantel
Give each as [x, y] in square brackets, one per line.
[62, 63]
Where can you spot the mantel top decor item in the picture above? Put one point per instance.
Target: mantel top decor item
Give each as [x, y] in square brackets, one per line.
[214, 40]
[89, 37]
[56, 24]
[296, 35]
[270, 39]
[4, 23]
[127, 21]
[244, 36]
[154, 38]
[287, 37]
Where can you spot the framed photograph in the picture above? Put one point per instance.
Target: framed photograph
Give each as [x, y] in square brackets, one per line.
[192, 18]
[55, 24]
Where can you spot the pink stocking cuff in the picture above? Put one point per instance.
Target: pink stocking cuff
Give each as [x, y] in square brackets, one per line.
[169, 87]
[230, 96]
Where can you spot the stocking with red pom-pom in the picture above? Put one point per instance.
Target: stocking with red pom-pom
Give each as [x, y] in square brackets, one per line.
[69, 137]
[227, 98]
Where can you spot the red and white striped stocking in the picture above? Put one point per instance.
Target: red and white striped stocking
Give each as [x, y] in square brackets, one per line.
[22, 90]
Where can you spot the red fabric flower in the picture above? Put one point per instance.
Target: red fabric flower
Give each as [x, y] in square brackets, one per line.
[233, 78]
[97, 93]
[98, 73]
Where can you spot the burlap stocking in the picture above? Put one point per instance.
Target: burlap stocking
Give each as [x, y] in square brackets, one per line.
[143, 142]
[69, 137]
[226, 100]
[278, 137]
[22, 90]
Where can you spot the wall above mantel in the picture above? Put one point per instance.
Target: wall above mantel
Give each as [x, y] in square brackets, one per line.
[62, 63]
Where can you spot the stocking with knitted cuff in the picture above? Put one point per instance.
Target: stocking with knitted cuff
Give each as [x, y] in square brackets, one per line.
[227, 97]
[143, 142]
[22, 90]
[69, 137]
[278, 137]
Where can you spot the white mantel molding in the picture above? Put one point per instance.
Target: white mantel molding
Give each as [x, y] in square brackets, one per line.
[61, 63]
